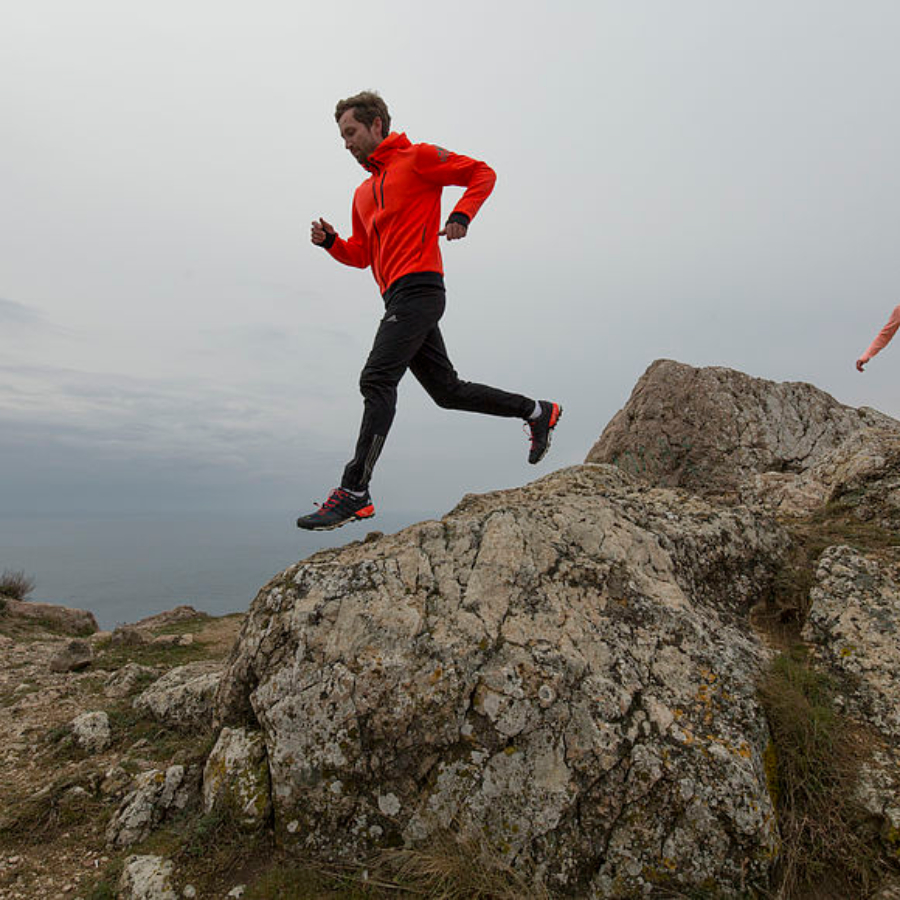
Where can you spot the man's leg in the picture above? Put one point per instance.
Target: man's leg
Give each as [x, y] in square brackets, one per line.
[409, 318]
[435, 372]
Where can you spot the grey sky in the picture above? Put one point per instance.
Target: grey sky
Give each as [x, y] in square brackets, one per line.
[714, 182]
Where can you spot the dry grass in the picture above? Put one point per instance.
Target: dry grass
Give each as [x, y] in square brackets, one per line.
[828, 847]
[457, 866]
[15, 584]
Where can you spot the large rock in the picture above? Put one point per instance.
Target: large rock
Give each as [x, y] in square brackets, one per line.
[564, 669]
[711, 429]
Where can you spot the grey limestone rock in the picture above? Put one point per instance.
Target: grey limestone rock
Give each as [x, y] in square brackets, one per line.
[862, 474]
[854, 625]
[155, 797]
[236, 777]
[564, 668]
[711, 429]
[91, 731]
[128, 680]
[147, 878]
[184, 696]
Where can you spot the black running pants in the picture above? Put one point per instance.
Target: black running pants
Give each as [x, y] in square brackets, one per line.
[408, 337]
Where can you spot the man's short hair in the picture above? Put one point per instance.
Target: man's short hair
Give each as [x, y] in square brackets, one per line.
[367, 107]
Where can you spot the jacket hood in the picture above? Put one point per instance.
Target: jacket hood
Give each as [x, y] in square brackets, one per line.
[387, 148]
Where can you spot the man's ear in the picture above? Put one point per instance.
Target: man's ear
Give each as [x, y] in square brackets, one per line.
[377, 121]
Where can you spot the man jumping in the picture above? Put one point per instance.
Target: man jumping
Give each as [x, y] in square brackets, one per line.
[396, 226]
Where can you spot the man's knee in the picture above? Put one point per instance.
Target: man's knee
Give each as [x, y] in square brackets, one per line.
[373, 385]
[448, 395]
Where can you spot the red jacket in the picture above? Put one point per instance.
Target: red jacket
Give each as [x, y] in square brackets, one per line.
[397, 210]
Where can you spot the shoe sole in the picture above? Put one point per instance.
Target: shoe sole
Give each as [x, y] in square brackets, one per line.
[550, 427]
[354, 518]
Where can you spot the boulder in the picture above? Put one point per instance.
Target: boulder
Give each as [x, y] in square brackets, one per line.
[73, 657]
[564, 668]
[711, 429]
[59, 619]
[184, 696]
[156, 796]
[147, 878]
[236, 777]
[91, 731]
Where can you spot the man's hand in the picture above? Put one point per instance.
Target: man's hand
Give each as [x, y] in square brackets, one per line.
[320, 231]
[860, 363]
[453, 231]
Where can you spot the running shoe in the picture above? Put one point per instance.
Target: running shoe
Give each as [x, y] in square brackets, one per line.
[340, 508]
[542, 430]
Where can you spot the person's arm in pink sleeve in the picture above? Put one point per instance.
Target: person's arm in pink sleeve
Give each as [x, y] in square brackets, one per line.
[882, 339]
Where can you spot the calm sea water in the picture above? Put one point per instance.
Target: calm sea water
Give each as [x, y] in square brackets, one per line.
[124, 568]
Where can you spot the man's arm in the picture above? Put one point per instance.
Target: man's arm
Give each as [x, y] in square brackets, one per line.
[446, 168]
[882, 339]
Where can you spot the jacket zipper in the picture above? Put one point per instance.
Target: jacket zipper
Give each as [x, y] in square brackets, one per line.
[374, 226]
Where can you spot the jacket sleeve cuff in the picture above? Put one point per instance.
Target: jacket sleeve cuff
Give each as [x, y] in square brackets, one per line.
[459, 218]
[330, 238]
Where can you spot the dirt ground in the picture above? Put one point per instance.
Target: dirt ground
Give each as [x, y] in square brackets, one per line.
[55, 799]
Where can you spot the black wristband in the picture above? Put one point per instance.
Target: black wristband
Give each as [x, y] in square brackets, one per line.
[330, 238]
[459, 218]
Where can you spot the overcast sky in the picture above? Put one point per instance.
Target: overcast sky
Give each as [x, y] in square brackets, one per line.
[713, 182]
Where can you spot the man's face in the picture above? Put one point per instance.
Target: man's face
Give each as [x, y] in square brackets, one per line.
[359, 139]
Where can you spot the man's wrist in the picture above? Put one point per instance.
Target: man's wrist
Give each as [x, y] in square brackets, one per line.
[330, 238]
[459, 219]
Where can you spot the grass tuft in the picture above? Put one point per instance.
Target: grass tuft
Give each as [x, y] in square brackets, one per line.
[827, 844]
[15, 584]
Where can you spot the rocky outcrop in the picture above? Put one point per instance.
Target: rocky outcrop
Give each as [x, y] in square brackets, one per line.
[54, 618]
[712, 429]
[563, 668]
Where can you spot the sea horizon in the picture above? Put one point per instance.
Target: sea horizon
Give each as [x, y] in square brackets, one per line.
[125, 566]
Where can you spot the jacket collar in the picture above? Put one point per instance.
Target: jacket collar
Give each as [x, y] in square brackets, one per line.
[380, 156]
